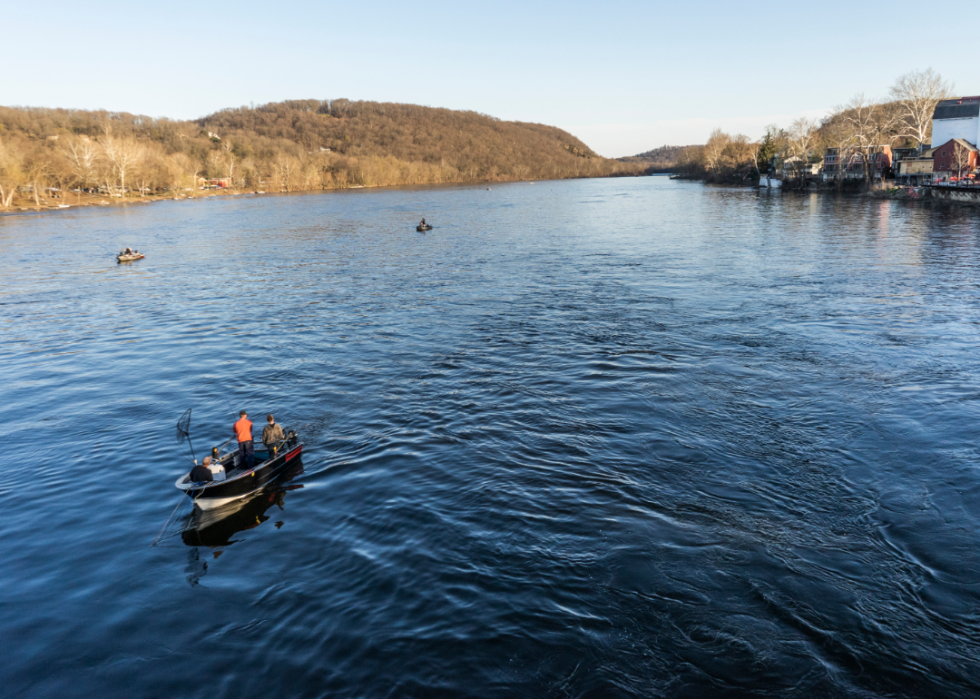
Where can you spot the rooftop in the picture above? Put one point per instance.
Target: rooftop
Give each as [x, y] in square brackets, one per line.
[965, 144]
[959, 108]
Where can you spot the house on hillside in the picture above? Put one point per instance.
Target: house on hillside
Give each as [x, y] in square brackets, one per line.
[851, 165]
[956, 118]
[955, 161]
[832, 163]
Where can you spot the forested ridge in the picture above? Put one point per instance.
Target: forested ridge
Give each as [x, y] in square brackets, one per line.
[663, 159]
[284, 146]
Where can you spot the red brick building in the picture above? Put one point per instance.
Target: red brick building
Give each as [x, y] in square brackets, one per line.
[955, 158]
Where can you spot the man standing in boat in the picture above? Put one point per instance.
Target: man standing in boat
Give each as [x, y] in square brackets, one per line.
[271, 434]
[243, 431]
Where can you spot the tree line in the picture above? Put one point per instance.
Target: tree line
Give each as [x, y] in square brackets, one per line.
[284, 146]
[662, 159]
[858, 131]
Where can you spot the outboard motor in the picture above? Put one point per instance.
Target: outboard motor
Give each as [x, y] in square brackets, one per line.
[291, 438]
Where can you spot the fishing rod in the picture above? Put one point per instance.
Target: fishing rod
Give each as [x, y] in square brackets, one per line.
[217, 450]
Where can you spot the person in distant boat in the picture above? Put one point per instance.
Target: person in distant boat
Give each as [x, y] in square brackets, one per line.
[243, 431]
[201, 474]
[271, 434]
[129, 251]
[423, 223]
[217, 470]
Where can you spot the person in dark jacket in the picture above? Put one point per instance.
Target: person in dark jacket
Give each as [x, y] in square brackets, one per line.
[201, 474]
[271, 435]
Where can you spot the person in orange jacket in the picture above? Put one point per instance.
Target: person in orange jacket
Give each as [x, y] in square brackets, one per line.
[246, 449]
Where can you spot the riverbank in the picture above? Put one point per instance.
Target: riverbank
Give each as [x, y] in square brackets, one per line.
[74, 201]
[89, 200]
[957, 196]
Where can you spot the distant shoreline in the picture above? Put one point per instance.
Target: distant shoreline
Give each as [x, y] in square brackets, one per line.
[93, 201]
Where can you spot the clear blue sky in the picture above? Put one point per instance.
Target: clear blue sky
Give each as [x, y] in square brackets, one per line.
[623, 76]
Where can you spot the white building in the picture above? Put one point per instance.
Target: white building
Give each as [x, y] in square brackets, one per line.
[957, 118]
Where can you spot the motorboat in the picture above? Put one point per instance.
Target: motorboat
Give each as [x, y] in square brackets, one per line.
[239, 480]
[219, 526]
[423, 229]
[130, 256]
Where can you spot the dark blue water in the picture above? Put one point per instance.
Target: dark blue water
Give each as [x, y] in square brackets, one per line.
[603, 438]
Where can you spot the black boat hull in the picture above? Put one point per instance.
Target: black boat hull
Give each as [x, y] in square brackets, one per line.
[219, 526]
[239, 484]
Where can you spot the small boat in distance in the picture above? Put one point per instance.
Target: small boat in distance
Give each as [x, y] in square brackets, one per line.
[422, 229]
[128, 255]
[241, 481]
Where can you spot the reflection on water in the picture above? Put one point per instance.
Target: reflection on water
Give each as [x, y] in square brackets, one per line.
[598, 438]
[216, 527]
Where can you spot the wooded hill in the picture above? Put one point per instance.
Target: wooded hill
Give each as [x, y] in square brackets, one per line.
[293, 145]
[663, 159]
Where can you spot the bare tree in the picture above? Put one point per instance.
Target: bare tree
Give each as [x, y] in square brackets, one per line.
[37, 167]
[873, 128]
[213, 164]
[750, 156]
[149, 171]
[960, 159]
[177, 166]
[248, 172]
[122, 154]
[714, 150]
[840, 137]
[802, 139]
[917, 93]
[227, 147]
[286, 167]
[82, 156]
[61, 174]
[740, 153]
[11, 173]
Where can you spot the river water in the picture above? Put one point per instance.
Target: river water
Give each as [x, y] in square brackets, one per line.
[596, 438]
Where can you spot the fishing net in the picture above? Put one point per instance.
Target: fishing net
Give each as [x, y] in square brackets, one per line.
[184, 427]
[184, 432]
